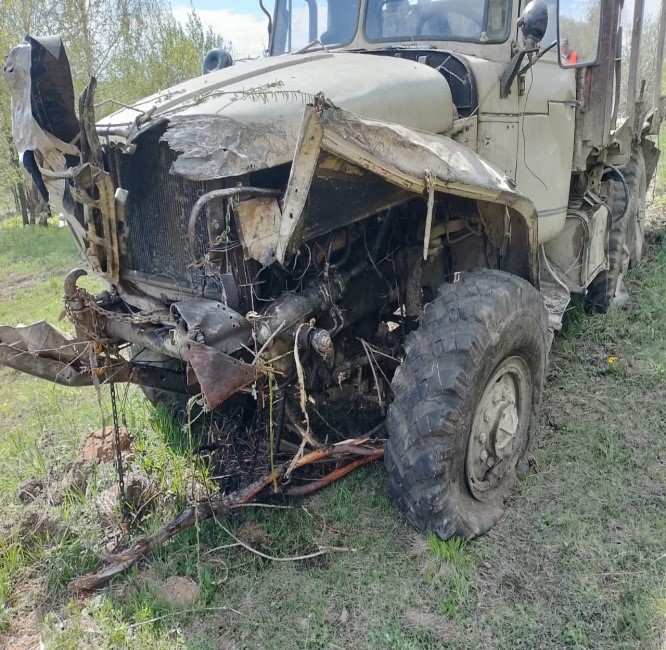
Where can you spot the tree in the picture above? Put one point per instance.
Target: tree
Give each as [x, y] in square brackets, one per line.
[133, 47]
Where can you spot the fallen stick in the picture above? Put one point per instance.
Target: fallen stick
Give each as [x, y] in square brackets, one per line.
[309, 488]
[118, 562]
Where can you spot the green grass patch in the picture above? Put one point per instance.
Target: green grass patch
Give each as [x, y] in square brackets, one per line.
[578, 561]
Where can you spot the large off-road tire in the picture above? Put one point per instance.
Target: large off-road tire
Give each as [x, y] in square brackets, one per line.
[607, 288]
[466, 403]
[636, 178]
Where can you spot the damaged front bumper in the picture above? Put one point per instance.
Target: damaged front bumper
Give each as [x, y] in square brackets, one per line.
[47, 352]
[220, 350]
[104, 329]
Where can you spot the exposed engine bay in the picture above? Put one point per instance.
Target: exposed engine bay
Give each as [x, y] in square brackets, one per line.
[228, 275]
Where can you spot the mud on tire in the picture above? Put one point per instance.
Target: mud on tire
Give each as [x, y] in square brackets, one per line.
[482, 342]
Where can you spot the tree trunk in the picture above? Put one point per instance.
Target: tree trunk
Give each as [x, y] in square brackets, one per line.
[32, 198]
[22, 199]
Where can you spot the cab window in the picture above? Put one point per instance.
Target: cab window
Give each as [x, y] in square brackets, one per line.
[479, 21]
[300, 22]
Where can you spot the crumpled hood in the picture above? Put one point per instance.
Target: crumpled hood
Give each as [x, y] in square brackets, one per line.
[247, 117]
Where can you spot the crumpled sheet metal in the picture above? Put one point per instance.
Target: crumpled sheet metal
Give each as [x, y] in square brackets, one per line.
[404, 157]
[218, 325]
[44, 351]
[215, 146]
[44, 339]
[219, 375]
[27, 132]
[263, 100]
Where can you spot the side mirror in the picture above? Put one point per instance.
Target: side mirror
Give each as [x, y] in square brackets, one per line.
[579, 27]
[533, 23]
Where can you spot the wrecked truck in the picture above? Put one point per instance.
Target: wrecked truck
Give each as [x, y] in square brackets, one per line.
[401, 199]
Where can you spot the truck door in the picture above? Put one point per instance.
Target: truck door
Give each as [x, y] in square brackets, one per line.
[547, 106]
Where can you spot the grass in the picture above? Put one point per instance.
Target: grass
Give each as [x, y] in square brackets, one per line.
[577, 562]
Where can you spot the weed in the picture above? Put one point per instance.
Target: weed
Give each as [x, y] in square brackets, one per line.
[450, 550]
[456, 596]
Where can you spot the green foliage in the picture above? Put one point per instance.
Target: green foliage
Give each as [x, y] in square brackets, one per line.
[450, 550]
[133, 47]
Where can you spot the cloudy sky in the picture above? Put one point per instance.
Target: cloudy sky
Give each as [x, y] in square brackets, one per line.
[243, 23]
[239, 21]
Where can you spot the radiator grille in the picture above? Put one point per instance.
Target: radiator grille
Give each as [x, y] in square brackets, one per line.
[158, 210]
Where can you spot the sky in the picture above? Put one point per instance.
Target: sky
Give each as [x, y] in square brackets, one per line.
[242, 22]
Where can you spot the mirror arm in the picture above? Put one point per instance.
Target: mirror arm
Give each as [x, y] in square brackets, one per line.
[514, 70]
[532, 61]
[510, 73]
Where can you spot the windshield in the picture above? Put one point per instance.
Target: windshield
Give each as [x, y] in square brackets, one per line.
[334, 22]
[481, 21]
[300, 22]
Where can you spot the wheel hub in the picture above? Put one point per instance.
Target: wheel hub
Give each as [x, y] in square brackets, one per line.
[498, 428]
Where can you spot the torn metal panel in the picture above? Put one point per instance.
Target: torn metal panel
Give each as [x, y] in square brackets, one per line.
[312, 206]
[51, 144]
[215, 324]
[46, 352]
[300, 178]
[216, 146]
[364, 192]
[401, 156]
[258, 222]
[44, 124]
[218, 374]
[44, 339]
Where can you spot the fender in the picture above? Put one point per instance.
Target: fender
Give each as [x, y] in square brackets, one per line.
[375, 165]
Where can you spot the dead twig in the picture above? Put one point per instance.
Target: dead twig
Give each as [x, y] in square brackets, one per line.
[304, 490]
[201, 610]
[194, 514]
[373, 361]
[323, 550]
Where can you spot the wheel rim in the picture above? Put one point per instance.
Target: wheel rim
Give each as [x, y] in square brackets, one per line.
[499, 428]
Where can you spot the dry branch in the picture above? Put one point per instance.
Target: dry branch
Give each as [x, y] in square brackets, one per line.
[353, 453]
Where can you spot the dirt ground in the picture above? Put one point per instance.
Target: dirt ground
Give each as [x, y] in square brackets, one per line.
[578, 561]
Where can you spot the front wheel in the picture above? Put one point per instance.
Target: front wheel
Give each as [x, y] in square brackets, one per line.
[466, 403]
